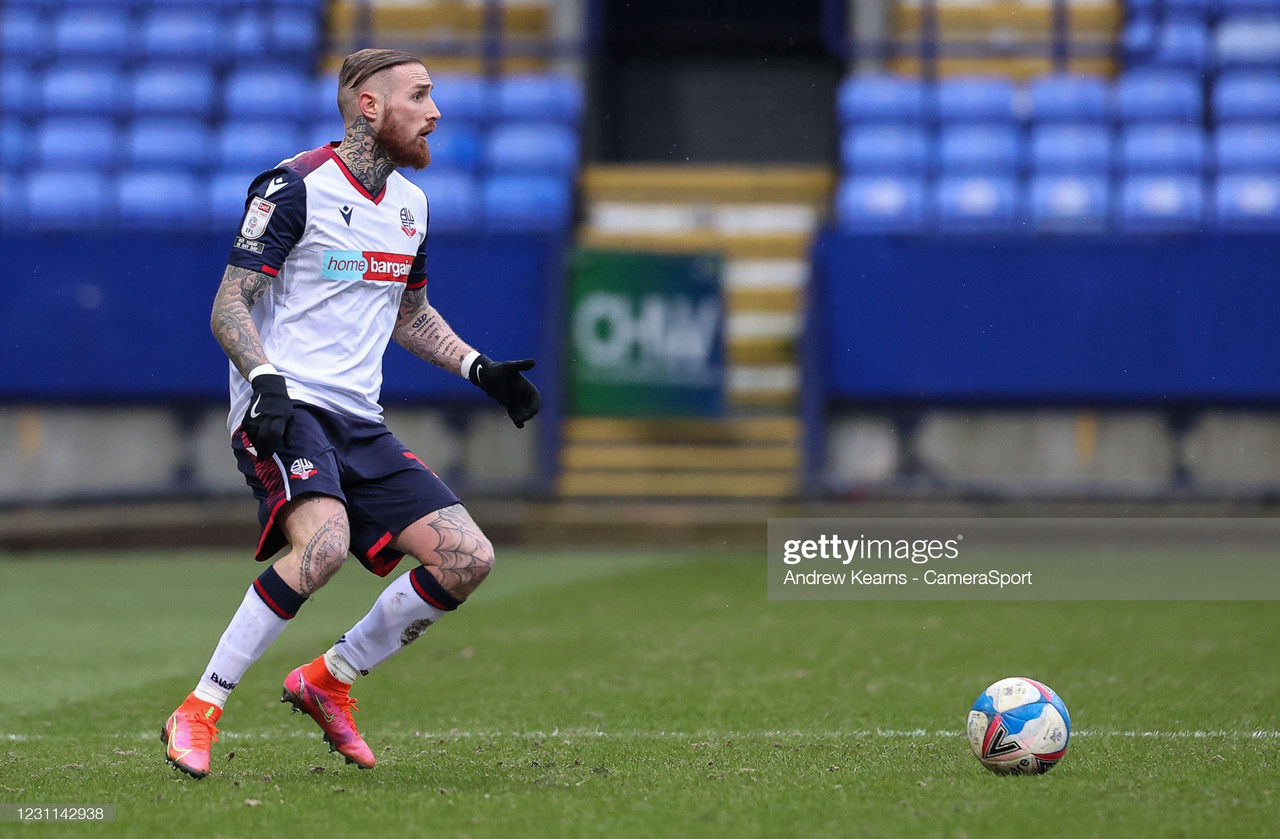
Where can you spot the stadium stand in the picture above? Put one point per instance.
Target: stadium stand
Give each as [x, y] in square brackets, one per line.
[1185, 131]
[211, 89]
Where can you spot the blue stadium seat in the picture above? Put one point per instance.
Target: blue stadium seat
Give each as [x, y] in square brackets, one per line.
[89, 33]
[1159, 96]
[322, 101]
[1248, 203]
[1163, 149]
[880, 204]
[259, 145]
[82, 90]
[1138, 41]
[1247, 147]
[226, 193]
[977, 99]
[1234, 8]
[186, 34]
[12, 209]
[1182, 10]
[979, 149]
[162, 90]
[1069, 203]
[165, 143]
[66, 199]
[873, 98]
[1248, 42]
[245, 38]
[158, 200]
[454, 199]
[80, 142]
[17, 96]
[532, 148]
[455, 146]
[1161, 204]
[1183, 44]
[321, 133]
[533, 203]
[23, 34]
[885, 149]
[1248, 97]
[540, 98]
[294, 32]
[1060, 98]
[976, 203]
[463, 98]
[13, 144]
[1071, 149]
[274, 93]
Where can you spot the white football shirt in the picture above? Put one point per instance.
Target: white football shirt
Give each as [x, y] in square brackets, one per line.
[339, 261]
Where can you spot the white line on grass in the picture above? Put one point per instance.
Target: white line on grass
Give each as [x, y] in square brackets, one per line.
[698, 736]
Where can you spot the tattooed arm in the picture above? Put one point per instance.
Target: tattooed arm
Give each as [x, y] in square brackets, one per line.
[231, 322]
[422, 331]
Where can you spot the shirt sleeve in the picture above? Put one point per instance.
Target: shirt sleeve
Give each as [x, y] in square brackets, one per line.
[275, 215]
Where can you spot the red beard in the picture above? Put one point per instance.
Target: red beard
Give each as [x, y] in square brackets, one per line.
[403, 149]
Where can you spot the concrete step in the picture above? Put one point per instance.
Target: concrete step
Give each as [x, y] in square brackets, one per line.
[680, 458]
[677, 484]
[700, 184]
[731, 430]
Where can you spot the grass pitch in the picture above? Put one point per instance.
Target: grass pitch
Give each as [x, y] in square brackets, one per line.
[635, 695]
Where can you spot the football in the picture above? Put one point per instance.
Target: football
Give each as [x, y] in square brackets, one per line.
[1019, 726]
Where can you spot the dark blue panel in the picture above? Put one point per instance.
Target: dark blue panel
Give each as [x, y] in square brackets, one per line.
[126, 317]
[1069, 319]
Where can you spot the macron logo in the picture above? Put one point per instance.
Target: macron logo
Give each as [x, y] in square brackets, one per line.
[276, 185]
[366, 265]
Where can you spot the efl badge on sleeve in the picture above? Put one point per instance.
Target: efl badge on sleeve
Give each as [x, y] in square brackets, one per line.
[256, 218]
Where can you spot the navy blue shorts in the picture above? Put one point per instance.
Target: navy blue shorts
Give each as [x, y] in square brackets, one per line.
[385, 486]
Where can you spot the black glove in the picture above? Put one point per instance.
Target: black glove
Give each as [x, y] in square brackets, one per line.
[270, 411]
[505, 382]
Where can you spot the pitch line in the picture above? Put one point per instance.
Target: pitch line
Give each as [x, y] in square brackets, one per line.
[699, 736]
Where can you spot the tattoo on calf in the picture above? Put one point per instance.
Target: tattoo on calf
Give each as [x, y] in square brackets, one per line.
[323, 555]
[462, 553]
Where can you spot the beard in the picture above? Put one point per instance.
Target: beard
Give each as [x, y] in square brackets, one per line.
[403, 148]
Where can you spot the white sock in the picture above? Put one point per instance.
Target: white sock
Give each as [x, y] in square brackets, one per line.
[252, 630]
[396, 620]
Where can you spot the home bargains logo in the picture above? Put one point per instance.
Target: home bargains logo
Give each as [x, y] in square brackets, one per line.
[366, 265]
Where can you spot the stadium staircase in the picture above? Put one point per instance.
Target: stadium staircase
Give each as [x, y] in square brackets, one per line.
[461, 35]
[1007, 37]
[762, 220]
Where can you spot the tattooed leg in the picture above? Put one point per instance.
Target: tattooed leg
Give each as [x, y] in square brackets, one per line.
[451, 547]
[319, 536]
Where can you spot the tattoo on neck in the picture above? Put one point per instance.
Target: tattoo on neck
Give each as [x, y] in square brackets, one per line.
[365, 158]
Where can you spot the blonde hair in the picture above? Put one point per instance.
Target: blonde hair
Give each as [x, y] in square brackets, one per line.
[361, 66]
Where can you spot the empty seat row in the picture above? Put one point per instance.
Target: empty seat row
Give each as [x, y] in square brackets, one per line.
[147, 5]
[1141, 95]
[274, 92]
[963, 148]
[277, 91]
[1246, 42]
[159, 200]
[1059, 204]
[195, 145]
[1199, 9]
[192, 33]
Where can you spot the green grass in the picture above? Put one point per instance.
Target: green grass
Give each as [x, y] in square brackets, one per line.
[635, 695]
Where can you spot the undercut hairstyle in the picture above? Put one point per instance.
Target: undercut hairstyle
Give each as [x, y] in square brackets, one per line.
[363, 65]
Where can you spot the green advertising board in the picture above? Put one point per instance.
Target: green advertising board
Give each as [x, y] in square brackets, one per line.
[646, 335]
